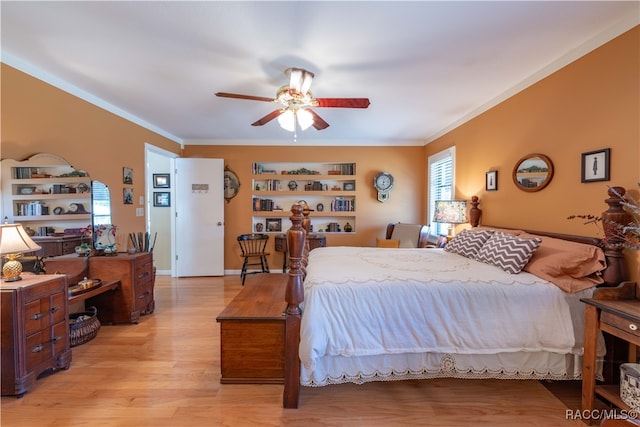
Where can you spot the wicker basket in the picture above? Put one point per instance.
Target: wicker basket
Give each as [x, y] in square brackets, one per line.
[83, 326]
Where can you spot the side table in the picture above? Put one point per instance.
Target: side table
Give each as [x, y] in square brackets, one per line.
[615, 311]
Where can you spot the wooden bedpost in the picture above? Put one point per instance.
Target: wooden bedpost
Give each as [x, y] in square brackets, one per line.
[306, 222]
[475, 212]
[294, 296]
[612, 219]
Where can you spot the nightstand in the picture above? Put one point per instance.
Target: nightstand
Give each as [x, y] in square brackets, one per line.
[615, 311]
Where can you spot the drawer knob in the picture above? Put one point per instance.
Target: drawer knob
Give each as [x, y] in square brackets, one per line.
[633, 326]
[54, 309]
[36, 316]
[57, 339]
[37, 349]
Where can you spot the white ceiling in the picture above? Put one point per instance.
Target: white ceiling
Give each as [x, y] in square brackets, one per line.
[426, 66]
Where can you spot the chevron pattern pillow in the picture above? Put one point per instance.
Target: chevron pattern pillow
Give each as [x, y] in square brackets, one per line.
[468, 242]
[508, 252]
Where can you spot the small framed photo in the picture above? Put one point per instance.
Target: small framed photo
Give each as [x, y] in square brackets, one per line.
[161, 199]
[127, 196]
[595, 165]
[349, 186]
[161, 180]
[274, 224]
[127, 175]
[442, 241]
[491, 183]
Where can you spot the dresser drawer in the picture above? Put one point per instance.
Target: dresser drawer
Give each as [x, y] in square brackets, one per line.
[37, 350]
[620, 323]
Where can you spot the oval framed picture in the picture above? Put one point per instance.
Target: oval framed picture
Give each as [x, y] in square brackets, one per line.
[319, 207]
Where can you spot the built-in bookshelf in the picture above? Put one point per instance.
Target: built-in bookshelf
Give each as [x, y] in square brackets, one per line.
[329, 189]
[46, 194]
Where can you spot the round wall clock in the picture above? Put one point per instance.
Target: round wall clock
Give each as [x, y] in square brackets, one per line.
[383, 182]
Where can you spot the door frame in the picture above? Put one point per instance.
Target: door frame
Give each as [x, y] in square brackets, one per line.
[171, 156]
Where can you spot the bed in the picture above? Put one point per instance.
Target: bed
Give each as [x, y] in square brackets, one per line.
[495, 303]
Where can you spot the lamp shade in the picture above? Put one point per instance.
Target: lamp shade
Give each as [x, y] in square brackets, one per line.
[14, 240]
[450, 211]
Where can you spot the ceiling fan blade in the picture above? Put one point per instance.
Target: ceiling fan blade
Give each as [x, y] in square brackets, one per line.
[318, 122]
[266, 119]
[343, 102]
[238, 96]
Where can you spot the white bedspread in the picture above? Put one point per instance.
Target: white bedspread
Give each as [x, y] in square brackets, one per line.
[373, 301]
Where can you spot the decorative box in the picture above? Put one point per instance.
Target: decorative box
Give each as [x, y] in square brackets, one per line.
[630, 384]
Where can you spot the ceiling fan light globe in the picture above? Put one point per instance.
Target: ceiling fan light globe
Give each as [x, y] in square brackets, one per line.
[287, 121]
[305, 119]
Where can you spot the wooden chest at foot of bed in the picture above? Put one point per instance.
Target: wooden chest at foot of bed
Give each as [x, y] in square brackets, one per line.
[252, 332]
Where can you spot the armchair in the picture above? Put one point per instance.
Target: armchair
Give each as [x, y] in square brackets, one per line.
[409, 235]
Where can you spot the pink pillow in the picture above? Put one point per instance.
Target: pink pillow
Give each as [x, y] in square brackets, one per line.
[569, 265]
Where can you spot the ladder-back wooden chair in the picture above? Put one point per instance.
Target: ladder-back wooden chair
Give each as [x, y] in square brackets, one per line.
[253, 247]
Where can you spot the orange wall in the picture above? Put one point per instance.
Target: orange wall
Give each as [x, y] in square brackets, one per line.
[406, 204]
[590, 104]
[39, 118]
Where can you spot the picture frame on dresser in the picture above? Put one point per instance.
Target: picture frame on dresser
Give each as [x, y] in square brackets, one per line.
[595, 165]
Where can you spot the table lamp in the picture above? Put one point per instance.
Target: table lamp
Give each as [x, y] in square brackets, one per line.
[450, 212]
[14, 242]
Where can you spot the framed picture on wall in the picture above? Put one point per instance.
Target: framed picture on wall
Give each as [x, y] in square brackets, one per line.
[161, 199]
[161, 180]
[491, 183]
[127, 175]
[274, 224]
[127, 196]
[595, 165]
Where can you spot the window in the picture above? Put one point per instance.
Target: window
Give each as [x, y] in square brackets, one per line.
[441, 185]
[101, 202]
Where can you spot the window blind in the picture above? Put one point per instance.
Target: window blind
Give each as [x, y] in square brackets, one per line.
[441, 173]
[101, 203]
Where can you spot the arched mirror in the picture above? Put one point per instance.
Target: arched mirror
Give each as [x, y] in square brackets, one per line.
[533, 172]
[100, 203]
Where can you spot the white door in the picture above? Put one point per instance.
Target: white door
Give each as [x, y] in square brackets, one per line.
[199, 227]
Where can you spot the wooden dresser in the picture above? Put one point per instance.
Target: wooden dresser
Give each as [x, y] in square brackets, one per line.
[56, 246]
[35, 330]
[133, 298]
[252, 332]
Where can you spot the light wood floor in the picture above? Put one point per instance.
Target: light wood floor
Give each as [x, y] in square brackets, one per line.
[165, 372]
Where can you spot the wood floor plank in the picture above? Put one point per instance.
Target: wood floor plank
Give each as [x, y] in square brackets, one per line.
[165, 371]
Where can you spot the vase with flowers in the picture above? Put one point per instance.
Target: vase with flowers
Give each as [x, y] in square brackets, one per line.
[621, 225]
[84, 249]
[621, 221]
[106, 236]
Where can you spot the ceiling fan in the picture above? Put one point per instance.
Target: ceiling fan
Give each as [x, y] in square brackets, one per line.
[297, 101]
